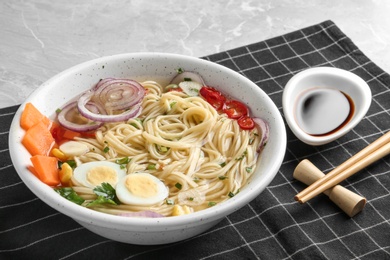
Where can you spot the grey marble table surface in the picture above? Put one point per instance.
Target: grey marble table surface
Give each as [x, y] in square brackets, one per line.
[40, 38]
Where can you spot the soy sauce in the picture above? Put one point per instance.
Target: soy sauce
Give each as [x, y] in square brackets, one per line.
[323, 111]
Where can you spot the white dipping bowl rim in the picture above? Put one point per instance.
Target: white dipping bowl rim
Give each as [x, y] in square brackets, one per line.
[328, 77]
[147, 231]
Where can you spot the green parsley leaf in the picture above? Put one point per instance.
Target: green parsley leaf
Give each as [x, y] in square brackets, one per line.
[101, 200]
[222, 177]
[108, 192]
[231, 194]
[69, 194]
[106, 149]
[248, 169]
[179, 70]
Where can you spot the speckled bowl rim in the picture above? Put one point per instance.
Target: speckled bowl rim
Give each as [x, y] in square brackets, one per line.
[277, 144]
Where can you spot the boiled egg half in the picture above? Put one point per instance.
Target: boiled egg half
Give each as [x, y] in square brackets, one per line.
[92, 174]
[141, 189]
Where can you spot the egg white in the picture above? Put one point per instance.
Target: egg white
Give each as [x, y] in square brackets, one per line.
[80, 172]
[127, 197]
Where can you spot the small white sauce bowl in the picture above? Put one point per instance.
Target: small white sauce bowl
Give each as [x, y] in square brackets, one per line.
[327, 77]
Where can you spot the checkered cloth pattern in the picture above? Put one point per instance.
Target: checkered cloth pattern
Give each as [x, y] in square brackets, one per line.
[273, 225]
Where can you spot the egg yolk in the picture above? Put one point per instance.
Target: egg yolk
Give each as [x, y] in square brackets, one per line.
[100, 174]
[141, 186]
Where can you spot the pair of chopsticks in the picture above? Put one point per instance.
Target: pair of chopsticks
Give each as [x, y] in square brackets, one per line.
[367, 156]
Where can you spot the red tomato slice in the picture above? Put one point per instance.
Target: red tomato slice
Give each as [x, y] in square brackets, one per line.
[235, 109]
[246, 123]
[213, 97]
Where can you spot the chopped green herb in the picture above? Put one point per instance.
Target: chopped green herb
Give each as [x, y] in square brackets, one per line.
[179, 70]
[231, 194]
[69, 194]
[248, 169]
[58, 110]
[223, 164]
[162, 149]
[170, 202]
[196, 179]
[178, 186]
[151, 166]
[106, 194]
[124, 160]
[212, 203]
[222, 177]
[190, 198]
[172, 104]
[106, 149]
[187, 79]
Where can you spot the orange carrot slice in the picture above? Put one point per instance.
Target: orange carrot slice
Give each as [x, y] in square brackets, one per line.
[46, 169]
[31, 116]
[38, 139]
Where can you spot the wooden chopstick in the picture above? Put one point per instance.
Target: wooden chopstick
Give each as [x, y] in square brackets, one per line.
[370, 154]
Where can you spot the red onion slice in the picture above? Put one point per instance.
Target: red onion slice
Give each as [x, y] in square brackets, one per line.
[134, 111]
[118, 94]
[187, 76]
[264, 128]
[142, 214]
[62, 119]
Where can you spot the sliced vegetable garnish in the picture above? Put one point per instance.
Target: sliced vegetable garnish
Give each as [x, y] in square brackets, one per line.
[246, 123]
[191, 88]
[131, 112]
[235, 109]
[264, 128]
[187, 76]
[70, 118]
[213, 97]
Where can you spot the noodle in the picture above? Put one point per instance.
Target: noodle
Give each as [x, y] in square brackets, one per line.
[189, 143]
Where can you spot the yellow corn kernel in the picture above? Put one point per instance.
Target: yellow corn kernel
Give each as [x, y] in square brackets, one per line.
[181, 210]
[65, 174]
[60, 155]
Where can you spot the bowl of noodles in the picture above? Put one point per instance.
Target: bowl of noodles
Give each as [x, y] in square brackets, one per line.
[147, 148]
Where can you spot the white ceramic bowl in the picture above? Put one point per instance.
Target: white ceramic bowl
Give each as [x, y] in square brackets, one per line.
[325, 77]
[147, 231]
